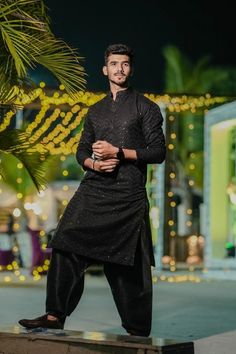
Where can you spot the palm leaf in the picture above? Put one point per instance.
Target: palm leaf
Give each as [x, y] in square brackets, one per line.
[178, 67]
[17, 143]
[27, 41]
[60, 59]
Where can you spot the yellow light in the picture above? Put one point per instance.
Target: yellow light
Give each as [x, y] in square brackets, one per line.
[173, 136]
[189, 223]
[16, 226]
[42, 233]
[42, 84]
[19, 180]
[65, 173]
[44, 217]
[170, 222]
[19, 165]
[171, 118]
[170, 146]
[7, 279]
[191, 126]
[64, 202]
[65, 188]
[22, 278]
[154, 279]
[192, 166]
[170, 194]
[189, 211]
[172, 175]
[172, 204]
[172, 233]
[19, 195]
[191, 182]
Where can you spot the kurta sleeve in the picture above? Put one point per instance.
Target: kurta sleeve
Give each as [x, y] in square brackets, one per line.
[84, 149]
[155, 150]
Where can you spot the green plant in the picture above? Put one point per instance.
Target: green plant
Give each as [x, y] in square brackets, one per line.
[27, 41]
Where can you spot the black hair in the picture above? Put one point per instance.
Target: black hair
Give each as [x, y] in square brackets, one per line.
[119, 49]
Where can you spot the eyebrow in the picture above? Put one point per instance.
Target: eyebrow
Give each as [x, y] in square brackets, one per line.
[116, 61]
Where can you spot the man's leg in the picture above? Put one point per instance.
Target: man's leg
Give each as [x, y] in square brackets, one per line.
[65, 284]
[132, 291]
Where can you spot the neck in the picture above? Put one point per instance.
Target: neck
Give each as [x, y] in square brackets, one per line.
[116, 88]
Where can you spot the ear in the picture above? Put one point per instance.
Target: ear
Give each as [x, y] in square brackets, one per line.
[104, 69]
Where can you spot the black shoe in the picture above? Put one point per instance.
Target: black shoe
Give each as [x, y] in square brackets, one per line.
[42, 322]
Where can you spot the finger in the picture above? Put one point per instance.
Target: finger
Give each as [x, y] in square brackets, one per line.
[96, 153]
[96, 144]
[99, 142]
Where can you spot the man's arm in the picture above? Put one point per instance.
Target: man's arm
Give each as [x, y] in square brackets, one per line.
[154, 139]
[101, 165]
[84, 150]
[155, 149]
[104, 150]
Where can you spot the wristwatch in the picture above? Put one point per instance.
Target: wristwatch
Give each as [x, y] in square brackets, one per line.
[120, 154]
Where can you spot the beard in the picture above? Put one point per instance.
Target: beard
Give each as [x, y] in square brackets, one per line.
[120, 82]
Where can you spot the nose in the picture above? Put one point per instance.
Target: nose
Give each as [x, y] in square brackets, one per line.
[120, 68]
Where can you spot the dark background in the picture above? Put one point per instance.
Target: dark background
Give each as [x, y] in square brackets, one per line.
[197, 28]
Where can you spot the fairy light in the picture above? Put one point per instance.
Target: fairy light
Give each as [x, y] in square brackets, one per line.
[55, 129]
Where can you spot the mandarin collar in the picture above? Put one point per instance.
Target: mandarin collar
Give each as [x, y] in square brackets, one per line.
[121, 93]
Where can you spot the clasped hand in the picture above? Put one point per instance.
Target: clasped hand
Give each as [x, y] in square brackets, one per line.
[106, 155]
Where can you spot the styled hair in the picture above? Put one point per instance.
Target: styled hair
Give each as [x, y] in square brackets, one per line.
[119, 49]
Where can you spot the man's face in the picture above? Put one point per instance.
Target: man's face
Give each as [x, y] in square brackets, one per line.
[118, 69]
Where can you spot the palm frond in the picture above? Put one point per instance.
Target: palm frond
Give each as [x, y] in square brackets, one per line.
[62, 61]
[17, 143]
[176, 67]
[35, 165]
[27, 41]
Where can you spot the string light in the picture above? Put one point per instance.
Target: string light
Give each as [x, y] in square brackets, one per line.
[56, 129]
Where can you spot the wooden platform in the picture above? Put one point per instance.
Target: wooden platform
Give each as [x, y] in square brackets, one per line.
[19, 341]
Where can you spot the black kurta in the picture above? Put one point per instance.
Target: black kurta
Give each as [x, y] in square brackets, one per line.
[109, 211]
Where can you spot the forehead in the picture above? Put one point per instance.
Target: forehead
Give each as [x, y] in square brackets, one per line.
[118, 58]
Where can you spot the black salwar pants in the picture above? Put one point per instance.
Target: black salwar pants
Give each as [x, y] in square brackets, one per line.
[131, 287]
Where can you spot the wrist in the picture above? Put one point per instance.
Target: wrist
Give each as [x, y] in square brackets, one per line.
[120, 154]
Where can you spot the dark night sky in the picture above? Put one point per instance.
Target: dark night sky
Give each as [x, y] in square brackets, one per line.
[198, 28]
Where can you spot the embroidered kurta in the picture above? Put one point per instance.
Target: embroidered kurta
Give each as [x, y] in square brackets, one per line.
[109, 211]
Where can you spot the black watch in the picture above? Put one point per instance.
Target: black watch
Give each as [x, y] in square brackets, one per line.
[120, 154]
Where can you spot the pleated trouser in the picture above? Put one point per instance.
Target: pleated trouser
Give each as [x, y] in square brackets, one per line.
[131, 287]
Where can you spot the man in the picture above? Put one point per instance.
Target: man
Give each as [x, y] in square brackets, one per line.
[107, 220]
